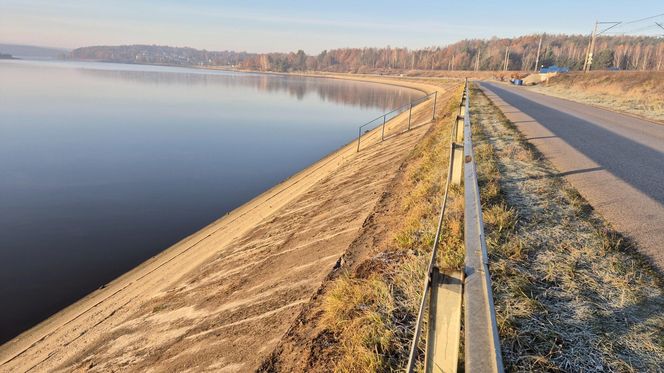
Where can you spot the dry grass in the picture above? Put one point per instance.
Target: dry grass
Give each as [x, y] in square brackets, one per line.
[635, 92]
[570, 293]
[372, 315]
[460, 74]
[360, 310]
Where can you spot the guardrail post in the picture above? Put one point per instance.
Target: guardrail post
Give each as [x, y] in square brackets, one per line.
[457, 153]
[444, 335]
[433, 113]
[410, 114]
[382, 133]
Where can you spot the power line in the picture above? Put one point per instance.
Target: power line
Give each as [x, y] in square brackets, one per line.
[591, 45]
[643, 19]
[620, 25]
[633, 30]
[613, 24]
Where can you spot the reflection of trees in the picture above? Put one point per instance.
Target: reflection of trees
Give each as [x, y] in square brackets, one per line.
[360, 94]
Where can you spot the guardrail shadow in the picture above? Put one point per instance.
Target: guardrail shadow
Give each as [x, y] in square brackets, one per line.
[558, 175]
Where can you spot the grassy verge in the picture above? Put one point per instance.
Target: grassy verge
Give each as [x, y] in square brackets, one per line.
[635, 92]
[571, 294]
[371, 311]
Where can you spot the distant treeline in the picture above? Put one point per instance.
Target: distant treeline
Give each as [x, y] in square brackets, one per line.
[623, 52]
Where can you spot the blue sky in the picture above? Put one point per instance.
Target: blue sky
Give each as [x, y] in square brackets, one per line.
[267, 26]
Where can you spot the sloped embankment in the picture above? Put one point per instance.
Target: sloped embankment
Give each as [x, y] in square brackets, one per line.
[362, 317]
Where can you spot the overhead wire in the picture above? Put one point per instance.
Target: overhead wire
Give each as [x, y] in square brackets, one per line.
[620, 25]
[643, 19]
[618, 32]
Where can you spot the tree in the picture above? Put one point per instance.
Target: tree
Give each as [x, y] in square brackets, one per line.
[625, 52]
[603, 59]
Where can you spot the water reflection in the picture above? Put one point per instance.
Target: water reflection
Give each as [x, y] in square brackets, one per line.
[351, 93]
[104, 165]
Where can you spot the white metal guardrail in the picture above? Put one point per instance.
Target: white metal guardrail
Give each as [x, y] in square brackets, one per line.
[482, 344]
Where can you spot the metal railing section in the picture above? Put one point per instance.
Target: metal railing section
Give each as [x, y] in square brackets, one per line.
[385, 118]
[482, 345]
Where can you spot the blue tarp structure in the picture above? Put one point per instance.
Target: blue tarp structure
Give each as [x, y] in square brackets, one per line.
[554, 69]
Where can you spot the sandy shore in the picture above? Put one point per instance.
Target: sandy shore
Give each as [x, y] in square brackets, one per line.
[221, 298]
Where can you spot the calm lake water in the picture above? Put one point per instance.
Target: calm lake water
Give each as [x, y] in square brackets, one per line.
[105, 165]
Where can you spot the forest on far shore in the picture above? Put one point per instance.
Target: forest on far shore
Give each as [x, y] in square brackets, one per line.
[621, 52]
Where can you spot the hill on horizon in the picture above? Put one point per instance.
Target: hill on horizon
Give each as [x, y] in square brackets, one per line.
[622, 52]
[32, 51]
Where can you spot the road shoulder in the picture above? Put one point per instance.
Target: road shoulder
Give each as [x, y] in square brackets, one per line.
[571, 294]
[625, 206]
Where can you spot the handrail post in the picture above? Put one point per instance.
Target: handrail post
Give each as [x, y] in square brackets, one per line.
[398, 111]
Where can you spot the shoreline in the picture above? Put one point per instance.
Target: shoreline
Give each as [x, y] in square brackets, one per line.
[169, 266]
[392, 80]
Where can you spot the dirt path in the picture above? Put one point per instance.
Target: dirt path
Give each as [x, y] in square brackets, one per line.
[222, 298]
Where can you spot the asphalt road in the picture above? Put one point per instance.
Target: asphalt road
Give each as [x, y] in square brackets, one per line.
[615, 161]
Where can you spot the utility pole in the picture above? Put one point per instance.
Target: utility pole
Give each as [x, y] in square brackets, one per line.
[585, 57]
[659, 52]
[539, 48]
[593, 37]
[477, 60]
[591, 49]
[507, 58]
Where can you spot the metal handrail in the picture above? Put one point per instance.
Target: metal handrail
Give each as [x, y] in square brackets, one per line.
[400, 109]
[482, 347]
